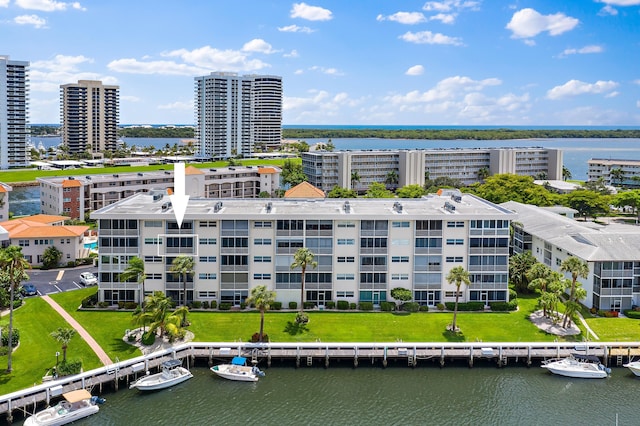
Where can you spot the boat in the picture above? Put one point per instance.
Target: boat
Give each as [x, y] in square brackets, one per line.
[172, 373]
[634, 366]
[578, 365]
[238, 370]
[77, 405]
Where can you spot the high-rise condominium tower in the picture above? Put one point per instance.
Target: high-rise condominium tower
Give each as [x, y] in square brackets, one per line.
[89, 116]
[237, 114]
[14, 123]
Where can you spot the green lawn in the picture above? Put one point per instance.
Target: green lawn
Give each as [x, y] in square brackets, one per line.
[615, 329]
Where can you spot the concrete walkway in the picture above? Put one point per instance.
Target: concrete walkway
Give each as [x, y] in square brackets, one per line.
[104, 358]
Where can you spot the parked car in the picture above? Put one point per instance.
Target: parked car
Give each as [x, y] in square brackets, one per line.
[87, 278]
[29, 290]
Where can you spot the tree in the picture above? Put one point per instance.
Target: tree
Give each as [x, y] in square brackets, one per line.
[262, 298]
[135, 273]
[51, 257]
[541, 279]
[183, 265]
[509, 187]
[588, 203]
[572, 307]
[566, 173]
[355, 178]
[483, 173]
[303, 258]
[338, 192]
[411, 191]
[378, 190]
[577, 268]
[401, 294]
[12, 272]
[630, 199]
[330, 146]
[391, 178]
[64, 336]
[616, 175]
[292, 173]
[457, 276]
[156, 313]
[519, 265]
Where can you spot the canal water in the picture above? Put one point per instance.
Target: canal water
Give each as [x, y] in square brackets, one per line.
[398, 395]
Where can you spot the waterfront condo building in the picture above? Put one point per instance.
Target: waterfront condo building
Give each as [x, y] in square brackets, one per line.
[363, 248]
[75, 196]
[89, 117]
[406, 167]
[611, 252]
[236, 115]
[621, 173]
[14, 117]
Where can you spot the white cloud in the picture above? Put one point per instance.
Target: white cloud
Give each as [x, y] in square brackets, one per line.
[577, 87]
[48, 5]
[612, 94]
[298, 72]
[638, 104]
[182, 105]
[4, 3]
[445, 18]
[324, 70]
[258, 45]
[622, 2]
[62, 63]
[293, 54]
[527, 23]
[415, 70]
[583, 50]
[636, 81]
[48, 75]
[608, 10]
[447, 89]
[319, 106]
[295, 29]
[427, 37]
[34, 20]
[310, 13]
[202, 59]
[407, 18]
[134, 66]
[449, 5]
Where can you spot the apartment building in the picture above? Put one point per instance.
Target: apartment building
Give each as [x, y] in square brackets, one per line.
[328, 169]
[611, 251]
[75, 196]
[89, 117]
[235, 115]
[14, 113]
[620, 172]
[363, 247]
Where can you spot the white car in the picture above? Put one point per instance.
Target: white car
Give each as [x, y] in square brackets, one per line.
[87, 278]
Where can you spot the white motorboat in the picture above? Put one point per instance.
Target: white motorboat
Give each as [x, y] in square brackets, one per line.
[634, 366]
[579, 366]
[238, 370]
[172, 373]
[77, 404]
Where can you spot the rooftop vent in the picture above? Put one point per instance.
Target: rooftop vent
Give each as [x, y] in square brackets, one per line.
[217, 207]
[115, 176]
[456, 197]
[213, 170]
[166, 206]
[397, 207]
[268, 207]
[449, 207]
[139, 174]
[167, 173]
[347, 207]
[70, 177]
[157, 196]
[88, 177]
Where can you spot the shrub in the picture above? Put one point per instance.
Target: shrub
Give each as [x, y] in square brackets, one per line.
[302, 318]
[512, 305]
[89, 302]
[205, 304]
[243, 305]
[17, 302]
[468, 306]
[366, 306]
[440, 306]
[593, 310]
[411, 307]
[330, 304]
[4, 350]
[130, 305]
[387, 306]
[69, 367]
[131, 338]
[197, 304]
[120, 305]
[632, 314]
[352, 306]
[424, 308]
[15, 337]
[214, 304]
[343, 305]
[103, 304]
[225, 306]
[309, 305]
[512, 294]
[255, 337]
[276, 306]
[293, 305]
[148, 338]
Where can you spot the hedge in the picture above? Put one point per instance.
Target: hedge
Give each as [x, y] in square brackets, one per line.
[512, 305]
[343, 305]
[411, 307]
[468, 306]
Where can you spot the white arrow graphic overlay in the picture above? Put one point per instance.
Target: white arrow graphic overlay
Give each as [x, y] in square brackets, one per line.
[179, 200]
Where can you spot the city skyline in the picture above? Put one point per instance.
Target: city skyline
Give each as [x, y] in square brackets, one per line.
[449, 62]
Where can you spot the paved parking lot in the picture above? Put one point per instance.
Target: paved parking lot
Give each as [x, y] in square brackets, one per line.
[58, 280]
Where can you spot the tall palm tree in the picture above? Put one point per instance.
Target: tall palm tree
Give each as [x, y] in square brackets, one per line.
[263, 299]
[303, 259]
[64, 336]
[391, 178]
[183, 265]
[12, 265]
[135, 273]
[566, 173]
[541, 278]
[355, 178]
[155, 312]
[617, 175]
[483, 173]
[457, 276]
[519, 266]
[577, 268]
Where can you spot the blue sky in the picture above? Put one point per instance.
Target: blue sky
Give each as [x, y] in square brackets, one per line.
[448, 62]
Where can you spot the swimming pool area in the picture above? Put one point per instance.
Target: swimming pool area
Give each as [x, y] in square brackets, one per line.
[91, 246]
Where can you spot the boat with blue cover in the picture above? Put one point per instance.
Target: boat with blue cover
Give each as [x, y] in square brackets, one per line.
[238, 370]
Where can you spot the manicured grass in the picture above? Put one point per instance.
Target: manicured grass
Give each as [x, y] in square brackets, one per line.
[30, 175]
[615, 329]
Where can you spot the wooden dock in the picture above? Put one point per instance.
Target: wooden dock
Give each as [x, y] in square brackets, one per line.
[316, 354]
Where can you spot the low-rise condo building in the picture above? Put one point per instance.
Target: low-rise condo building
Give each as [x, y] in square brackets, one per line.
[611, 251]
[359, 169]
[363, 247]
[615, 172]
[75, 196]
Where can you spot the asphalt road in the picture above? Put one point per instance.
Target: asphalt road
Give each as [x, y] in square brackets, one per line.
[58, 280]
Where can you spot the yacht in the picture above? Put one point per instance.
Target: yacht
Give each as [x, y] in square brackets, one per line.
[578, 365]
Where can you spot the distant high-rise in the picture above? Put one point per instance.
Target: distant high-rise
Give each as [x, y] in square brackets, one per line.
[14, 120]
[89, 116]
[237, 114]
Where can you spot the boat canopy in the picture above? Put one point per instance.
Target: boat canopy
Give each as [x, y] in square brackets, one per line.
[77, 395]
[589, 358]
[172, 363]
[239, 360]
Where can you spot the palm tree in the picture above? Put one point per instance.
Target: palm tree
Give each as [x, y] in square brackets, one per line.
[566, 173]
[135, 273]
[64, 336]
[519, 265]
[483, 173]
[183, 265]
[577, 268]
[391, 178]
[541, 278]
[355, 178]
[263, 299]
[13, 265]
[617, 175]
[457, 276]
[573, 306]
[155, 312]
[303, 259]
